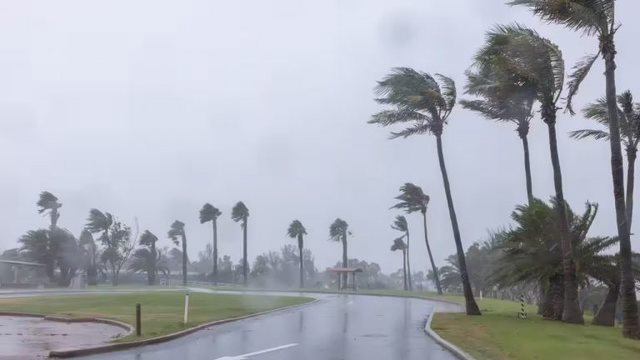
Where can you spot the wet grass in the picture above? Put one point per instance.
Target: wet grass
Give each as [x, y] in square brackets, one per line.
[162, 312]
[499, 335]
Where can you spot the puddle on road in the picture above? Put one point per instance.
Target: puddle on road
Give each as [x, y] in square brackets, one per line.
[33, 337]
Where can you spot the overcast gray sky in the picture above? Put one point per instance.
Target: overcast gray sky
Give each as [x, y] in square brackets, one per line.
[151, 108]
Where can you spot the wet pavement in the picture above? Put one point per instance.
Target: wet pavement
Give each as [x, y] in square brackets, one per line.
[33, 337]
[337, 327]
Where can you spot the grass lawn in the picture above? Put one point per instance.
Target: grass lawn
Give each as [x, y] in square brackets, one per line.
[499, 335]
[162, 312]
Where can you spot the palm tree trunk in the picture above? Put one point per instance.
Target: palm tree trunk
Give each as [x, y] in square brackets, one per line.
[245, 264]
[409, 282]
[301, 261]
[344, 261]
[631, 169]
[471, 306]
[607, 313]
[215, 251]
[527, 168]
[630, 326]
[404, 270]
[151, 278]
[434, 268]
[571, 310]
[184, 259]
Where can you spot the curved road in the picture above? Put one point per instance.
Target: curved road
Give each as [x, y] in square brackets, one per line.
[337, 327]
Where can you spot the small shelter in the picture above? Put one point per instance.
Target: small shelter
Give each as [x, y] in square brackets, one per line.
[341, 271]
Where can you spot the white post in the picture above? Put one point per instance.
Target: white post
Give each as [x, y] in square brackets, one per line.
[480, 294]
[186, 307]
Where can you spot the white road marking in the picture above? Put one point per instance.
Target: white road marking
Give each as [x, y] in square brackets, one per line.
[246, 356]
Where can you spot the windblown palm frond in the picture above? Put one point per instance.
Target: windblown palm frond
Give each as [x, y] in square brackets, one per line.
[209, 213]
[412, 199]
[240, 212]
[588, 16]
[47, 201]
[147, 238]
[176, 230]
[580, 72]
[98, 221]
[400, 224]
[296, 229]
[398, 244]
[338, 230]
[418, 98]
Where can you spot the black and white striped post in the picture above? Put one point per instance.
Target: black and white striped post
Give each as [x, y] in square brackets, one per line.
[522, 314]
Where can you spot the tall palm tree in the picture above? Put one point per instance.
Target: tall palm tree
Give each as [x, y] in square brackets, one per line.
[149, 240]
[528, 58]
[48, 204]
[211, 213]
[177, 231]
[297, 231]
[338, 232]
[503, 101]
[398, 244]
[413, 199]
[425, 104]
[240, 213]
[597, 17]
[629, 121]
[400, 223]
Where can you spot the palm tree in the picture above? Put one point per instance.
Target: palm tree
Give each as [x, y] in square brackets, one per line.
[48, 204]
[597, 17]
[297, 231]
[177, 230]
[150, 262]
[423, 102]
[149, 240]
[400, 223]
[413, 199]
[398, 244]
[503, 101]
[211, 213]
[241, 213]
[529, 59]
[629, 121]
[338, 232]
[89, 247]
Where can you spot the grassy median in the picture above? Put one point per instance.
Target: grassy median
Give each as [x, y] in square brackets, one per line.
[162, 311]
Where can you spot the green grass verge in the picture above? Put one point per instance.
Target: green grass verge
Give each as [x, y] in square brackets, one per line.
[162, 312]
[499, 335]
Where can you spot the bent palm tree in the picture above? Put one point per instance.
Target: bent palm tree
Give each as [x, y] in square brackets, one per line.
[149, 240]
[150, 262]
[503, 101]
[211, 213]
[597, 17]
[297, 231]
[338, 232]
[400, 223]
[398, 244]
[424, 104]
[48, 204]
[629, 121]
[529, 59]
[177, 231]
[240, 213]
[413, 199]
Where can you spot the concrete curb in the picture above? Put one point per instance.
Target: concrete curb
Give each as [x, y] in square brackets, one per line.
[63, 319]
[68, 353]
[456, 351]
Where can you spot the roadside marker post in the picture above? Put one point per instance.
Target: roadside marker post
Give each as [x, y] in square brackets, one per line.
[186, 308]
[522, 314]
[138, 320]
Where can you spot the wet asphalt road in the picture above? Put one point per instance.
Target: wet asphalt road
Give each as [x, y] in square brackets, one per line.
[337, 327]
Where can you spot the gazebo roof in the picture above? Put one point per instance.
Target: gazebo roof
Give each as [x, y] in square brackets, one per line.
[345, 270]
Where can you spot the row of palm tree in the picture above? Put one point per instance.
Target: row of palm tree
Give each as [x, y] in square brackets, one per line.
[514, 70]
